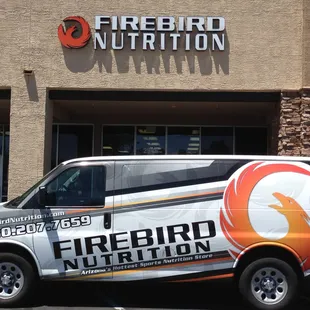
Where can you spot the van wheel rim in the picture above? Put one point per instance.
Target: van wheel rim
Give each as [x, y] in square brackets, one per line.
[11, 280]
[269, 286]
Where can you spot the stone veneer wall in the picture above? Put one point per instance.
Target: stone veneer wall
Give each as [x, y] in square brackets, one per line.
[294, 124]
[305, 123]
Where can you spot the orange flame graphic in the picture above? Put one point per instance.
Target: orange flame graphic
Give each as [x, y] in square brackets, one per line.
[239, 230]
[66, 37]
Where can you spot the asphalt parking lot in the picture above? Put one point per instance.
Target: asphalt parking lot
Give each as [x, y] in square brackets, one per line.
[208, 296]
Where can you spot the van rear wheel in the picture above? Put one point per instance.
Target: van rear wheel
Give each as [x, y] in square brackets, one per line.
[269, 284]
[17, 279]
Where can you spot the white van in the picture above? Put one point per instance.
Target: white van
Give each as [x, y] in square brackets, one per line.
[169, 218]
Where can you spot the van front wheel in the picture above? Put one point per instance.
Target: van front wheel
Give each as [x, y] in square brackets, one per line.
[17, 279]
[269, 284]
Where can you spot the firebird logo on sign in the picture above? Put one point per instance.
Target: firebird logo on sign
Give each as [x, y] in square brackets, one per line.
[66, 37]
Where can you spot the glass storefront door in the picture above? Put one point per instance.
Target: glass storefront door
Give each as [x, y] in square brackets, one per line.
[71, 141]
[4, 161]
[118, 140]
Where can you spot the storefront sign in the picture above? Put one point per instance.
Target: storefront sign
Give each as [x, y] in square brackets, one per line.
[147, 32]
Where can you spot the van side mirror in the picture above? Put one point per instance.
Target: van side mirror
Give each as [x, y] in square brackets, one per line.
[42, 197]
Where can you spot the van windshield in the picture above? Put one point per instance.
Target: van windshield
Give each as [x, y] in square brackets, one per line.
[16, 201]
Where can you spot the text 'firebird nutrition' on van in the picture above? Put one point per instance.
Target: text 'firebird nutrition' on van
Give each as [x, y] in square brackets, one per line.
[173, 218]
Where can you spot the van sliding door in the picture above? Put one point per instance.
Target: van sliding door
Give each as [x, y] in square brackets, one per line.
[165, 218]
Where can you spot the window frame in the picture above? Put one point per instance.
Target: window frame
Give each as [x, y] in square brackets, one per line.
[56, 173]
[79, 168]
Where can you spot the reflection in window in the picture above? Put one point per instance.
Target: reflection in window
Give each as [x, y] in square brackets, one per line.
[139, 177]
[183, 140]
[118, 140]
[251, 141]
[151, 140]
[217, 140]
[79, 186]
[73, 141]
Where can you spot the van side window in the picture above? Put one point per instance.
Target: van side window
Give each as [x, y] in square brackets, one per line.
[78, 186]
[146, 176]
[153, 176]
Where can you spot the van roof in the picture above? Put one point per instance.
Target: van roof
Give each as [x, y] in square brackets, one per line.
[186, 157]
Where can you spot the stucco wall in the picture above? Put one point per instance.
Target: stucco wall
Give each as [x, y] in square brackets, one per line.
[306, 45]
[263, 47]
[30, 138]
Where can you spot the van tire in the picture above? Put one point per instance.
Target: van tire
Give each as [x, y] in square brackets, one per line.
[24, 276]
[278, 276]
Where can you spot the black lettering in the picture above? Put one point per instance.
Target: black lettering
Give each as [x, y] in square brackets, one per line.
[122, 256]
[78, 247]
[107, 258]
[168, 251]
[90, 244]
[58, 249]
[135, 239]
[70, 264]
[140, 254]
[183, 249]
[86, 262]
[114, 241]
[160, 235]
[200, 245]
[153, 252]
[172, 233]
[210, 231]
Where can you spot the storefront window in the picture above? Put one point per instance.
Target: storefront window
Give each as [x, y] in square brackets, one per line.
[71, 141]
[151, 140]
[118, 140]
[251, 141]
[156, 140]
[183, 140]
[217, 140]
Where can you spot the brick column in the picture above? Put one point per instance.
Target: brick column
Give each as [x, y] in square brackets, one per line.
[289, 137]
[30, 138]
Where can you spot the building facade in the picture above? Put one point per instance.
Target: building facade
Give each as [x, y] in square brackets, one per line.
[83, 78]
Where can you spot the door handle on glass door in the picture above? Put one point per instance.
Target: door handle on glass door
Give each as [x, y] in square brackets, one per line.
[107, 220]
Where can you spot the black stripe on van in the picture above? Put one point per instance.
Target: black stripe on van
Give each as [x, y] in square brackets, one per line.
[168, 203]
[153, 205]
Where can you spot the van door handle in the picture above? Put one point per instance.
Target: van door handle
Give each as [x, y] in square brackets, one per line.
[107, 220]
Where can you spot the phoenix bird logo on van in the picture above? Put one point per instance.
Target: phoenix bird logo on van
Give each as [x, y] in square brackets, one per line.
[235, 219]
[66, 36]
